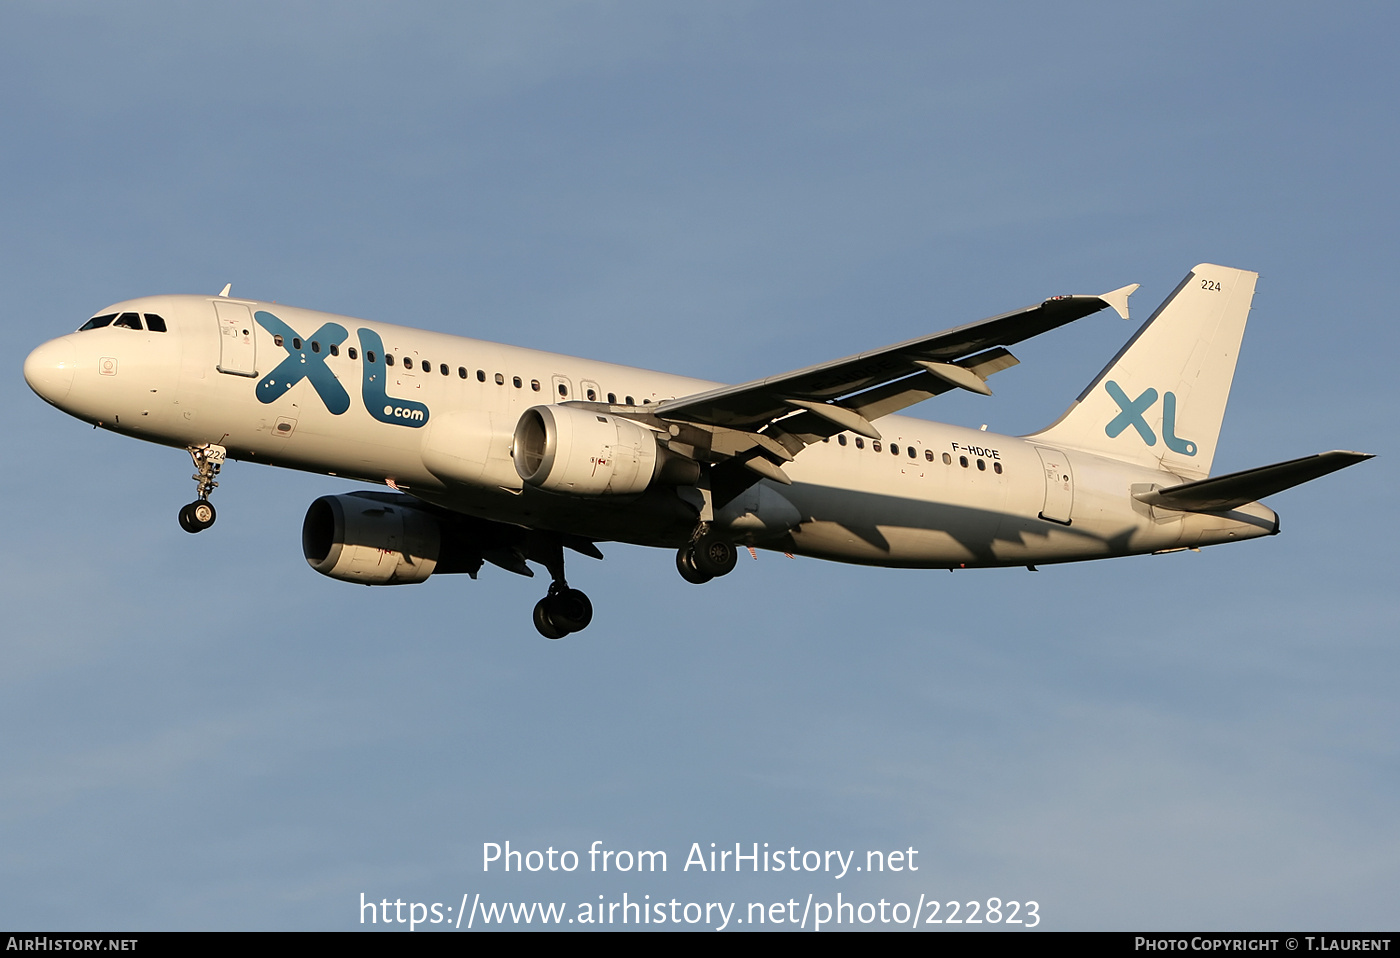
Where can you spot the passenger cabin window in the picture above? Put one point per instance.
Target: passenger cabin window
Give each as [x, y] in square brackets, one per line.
[335, 350]
[443, 369]
[516, 381]
[875, 444]
[481, 375]
[97, 322]
[128, 321]
[369, 356]
[500, 380]
[928, 454]
[535, 385]
[962, 461]
[996, 467]
[981, 466]
[914, 454]
[894, 449]
[315, 346]
[563, 390]
[389, 359]
[296, 343]
[592, 395]
[841, 439]
[947, 459]
[860, 443]
[277, 339]
[154, 323]
[461, 372]
[353, 354]
[630, 402]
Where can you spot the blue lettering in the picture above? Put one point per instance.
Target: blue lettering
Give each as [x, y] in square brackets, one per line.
[302, 364]
[382, 406]
[1132, 413]
[1183, 446]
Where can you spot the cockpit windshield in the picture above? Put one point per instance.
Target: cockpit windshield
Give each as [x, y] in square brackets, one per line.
[154, 323]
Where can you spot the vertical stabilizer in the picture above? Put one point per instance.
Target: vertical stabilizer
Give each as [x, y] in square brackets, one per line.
[1161, 400]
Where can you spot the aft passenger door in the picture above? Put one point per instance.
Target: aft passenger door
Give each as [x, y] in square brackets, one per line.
[1059, 485]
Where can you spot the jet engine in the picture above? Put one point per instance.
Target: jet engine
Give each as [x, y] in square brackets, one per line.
[362, 538]
[580, 452]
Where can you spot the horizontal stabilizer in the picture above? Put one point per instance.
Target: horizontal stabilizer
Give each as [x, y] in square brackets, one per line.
[1223, 493]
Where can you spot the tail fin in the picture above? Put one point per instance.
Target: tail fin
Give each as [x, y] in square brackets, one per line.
[1161, 400]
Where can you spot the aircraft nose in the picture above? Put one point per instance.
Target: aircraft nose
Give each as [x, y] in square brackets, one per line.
[49, 369]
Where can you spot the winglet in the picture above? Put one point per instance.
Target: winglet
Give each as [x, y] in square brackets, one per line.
[227, 287]
[1118, 298]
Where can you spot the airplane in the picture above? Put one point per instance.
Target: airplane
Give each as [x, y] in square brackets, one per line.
[493, 453]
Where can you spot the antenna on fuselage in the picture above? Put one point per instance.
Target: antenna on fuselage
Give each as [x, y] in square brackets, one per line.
[224, 292]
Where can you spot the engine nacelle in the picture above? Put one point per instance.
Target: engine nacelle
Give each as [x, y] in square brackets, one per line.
[364, 539]
[580, 452]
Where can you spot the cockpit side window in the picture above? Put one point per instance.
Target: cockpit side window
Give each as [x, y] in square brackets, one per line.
[97, 322]
[154, 323]
[128, 321]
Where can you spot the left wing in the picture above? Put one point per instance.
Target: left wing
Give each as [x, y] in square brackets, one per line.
[936, 361]
[750, 430]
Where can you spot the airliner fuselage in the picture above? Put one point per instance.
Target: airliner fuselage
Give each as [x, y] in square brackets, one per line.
[681, 463]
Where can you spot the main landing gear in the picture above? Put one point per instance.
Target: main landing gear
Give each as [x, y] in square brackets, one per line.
[208, 460]
[707, 556]
[562, 610]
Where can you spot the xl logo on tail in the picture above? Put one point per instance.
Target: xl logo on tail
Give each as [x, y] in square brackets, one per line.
[1133, 412]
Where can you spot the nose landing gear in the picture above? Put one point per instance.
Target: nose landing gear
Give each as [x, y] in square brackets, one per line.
[208, 460]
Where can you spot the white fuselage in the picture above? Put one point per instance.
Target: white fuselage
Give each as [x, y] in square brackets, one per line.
[926, 495]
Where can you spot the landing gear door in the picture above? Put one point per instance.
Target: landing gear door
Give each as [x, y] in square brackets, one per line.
[237, 349]
[1059, 485]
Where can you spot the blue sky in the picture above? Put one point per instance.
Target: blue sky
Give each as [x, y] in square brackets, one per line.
[200, 732]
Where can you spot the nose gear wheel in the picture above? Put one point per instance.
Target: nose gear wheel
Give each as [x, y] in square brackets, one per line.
[197, 516]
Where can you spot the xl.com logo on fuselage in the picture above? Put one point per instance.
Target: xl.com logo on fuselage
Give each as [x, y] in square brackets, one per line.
[311, 365]
[1133, 413]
